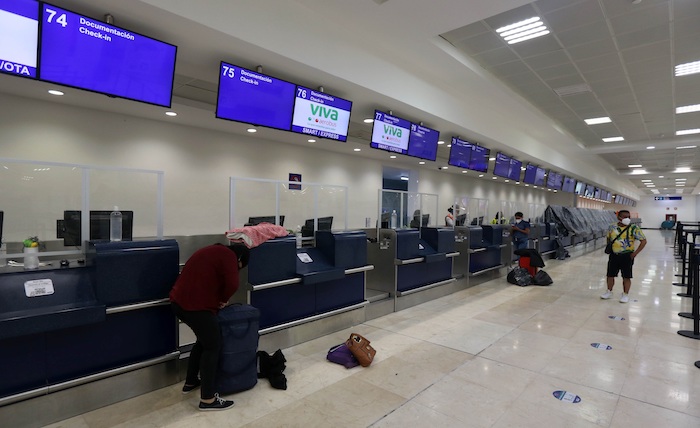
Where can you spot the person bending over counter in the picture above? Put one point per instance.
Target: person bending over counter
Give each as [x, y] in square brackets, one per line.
[207, 282]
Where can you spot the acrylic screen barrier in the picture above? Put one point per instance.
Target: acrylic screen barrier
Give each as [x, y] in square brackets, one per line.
[300, 203]
[413, 210]
[35, 195]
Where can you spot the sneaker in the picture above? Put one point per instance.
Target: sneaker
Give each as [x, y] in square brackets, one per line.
[606, 295]
[218, 404]
[624, 298]
[187, 388]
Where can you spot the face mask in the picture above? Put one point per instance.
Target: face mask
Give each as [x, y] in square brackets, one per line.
[518, 220]
[626, 221]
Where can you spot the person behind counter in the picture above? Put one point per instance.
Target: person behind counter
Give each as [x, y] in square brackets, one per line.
[450, 217]
[207, 282]
[521, 231]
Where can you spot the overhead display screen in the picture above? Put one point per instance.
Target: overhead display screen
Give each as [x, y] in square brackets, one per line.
[569, 184]
[251, 97]
[480, 158]
[423, 142]
[390, 133]
[554, 180]
[88, 54]
[321, 115]
[515, 167]
[507, 167]
[19, 34]
[534, 175]
[460, 153]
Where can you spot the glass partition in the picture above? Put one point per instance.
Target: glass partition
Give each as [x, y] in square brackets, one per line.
[400, 209]
[477, 212]
[460, 206]
[299, 207]
[536, 212]
[64, 205]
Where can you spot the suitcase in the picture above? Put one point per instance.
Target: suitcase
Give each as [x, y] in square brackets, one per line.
[238, 369]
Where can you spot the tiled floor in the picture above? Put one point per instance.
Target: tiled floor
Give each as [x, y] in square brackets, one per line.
[488, 356]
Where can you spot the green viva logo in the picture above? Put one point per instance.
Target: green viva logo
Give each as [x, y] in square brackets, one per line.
[391, 130]
[322, 111]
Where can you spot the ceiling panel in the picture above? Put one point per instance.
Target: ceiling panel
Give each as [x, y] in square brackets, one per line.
[480, 43]
[625, 54]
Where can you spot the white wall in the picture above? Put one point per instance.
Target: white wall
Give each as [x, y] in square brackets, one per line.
[197, 163]
[654, 212]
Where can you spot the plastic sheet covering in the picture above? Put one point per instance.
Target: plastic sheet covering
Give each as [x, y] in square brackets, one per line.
[579, 221]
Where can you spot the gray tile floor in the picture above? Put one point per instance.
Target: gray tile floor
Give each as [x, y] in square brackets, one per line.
[488, 356]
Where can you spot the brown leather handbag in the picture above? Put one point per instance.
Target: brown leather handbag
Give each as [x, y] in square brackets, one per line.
[361, 349]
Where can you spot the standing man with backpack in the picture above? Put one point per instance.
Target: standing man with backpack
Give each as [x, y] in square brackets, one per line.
[623, 236]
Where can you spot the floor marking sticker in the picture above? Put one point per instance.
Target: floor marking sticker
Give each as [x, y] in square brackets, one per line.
[602, 346]
[566, 396]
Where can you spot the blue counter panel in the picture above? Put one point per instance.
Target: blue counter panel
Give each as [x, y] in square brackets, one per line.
[283, 304]
[419, 274]
[547, 245]
[340, 293]
[22, 364]
[484, 260]
[124, 338]
[274, 260]
[135, 271]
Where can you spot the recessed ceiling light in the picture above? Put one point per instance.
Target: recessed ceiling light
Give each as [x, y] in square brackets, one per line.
[464, 171]
[651, 147]
[661, 176]
[688, 131]
[634, 166]
[507, 181]
[492, 159]
[170, 113]
[356, 150]
[688, 68]
[441, 142]
[494, 178]
[685, 147]
[613, 139]
[368, 120]
[681, 179]
[55, 92]
[682, 169]
[311, 140]
[597, 120]
[449, 145]
[252, 130]
[445, 167]
[421, 163]
[481, 175]
[639, 171]
[523, 30]
[392, 157]
[645, 180]
[517, 182]
[687, 109]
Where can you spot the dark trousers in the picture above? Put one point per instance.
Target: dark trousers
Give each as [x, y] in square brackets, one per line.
[204, 357]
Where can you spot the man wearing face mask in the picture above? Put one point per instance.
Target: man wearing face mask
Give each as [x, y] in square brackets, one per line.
[623, 236]
[520, 231]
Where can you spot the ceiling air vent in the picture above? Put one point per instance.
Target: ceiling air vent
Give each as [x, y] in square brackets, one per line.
[573, 89]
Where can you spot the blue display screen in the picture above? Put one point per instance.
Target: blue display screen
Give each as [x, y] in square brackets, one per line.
[390, 133]
[534, 175]
[502, 166]
[88, 54]
[423, 142]
[460, 153]
[554, 180]
[480, 159]
[251, 97]
[19, 33]
[515, 167]
[569, 185]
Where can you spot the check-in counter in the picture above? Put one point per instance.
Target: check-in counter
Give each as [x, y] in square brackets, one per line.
[410, 264]
[66, 326]
[547, 242]
[294, 286]
[485, 248]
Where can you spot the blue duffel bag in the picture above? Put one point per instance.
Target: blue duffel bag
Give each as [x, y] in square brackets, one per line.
[238, 357]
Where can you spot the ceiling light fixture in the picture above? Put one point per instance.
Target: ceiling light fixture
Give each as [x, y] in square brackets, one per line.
[634, 166]
[613, 139]
[421, 163]
[368, 120]
[688, 131]
[252, 130]
[682, 169]
[392, 157]
[441, 142]
[688, 109]
[651, 147]
[597, 120]
[170, 113]
[464, 171]
[685, 147]
[523, 30]
[311, 140]
[639, 171]
[55, 92]
[356, 150]
[688, 68]
[492, 159]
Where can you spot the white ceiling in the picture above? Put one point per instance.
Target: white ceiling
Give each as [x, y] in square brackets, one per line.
[446, 54]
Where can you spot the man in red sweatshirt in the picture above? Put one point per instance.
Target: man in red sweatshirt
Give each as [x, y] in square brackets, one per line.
[207, 282]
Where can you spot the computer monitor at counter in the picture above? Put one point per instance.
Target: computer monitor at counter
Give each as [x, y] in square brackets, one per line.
[99, 226]
[252, 221]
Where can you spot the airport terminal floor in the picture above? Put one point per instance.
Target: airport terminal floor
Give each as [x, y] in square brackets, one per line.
[492, 355]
